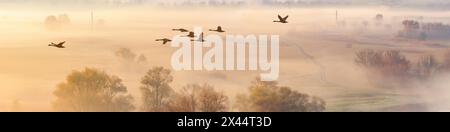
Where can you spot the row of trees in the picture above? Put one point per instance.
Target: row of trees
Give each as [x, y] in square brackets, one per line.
[94, 90]
[56, 22]
[269, 97]
[390, 68]
[413, 29]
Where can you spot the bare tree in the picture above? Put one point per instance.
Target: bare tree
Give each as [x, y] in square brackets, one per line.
[199, 98]
[185, 100]
[155, 89]
[209, 100]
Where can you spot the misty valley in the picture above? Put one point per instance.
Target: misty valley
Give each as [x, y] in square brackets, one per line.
[230, 55]
[284, 56]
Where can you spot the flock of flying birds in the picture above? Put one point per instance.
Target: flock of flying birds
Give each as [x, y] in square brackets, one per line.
[190, 35]
[219, 29]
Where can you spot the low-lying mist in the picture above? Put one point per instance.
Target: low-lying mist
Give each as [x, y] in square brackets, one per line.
[318, 50]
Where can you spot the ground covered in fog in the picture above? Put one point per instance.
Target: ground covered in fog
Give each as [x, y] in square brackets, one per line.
[317, 51]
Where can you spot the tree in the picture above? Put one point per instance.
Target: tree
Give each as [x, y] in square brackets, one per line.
[395, 64]
[445, 67]
[198, 98]
[386, 62]
[92, 90]
[64, 19]
[51, 23]
[209, 100]
[185, 100]
[384, 68]
[125, 55]
[427, 66]
[411, 25]
[268, 97]
[142, 59]
[155, 89]
[368, 58]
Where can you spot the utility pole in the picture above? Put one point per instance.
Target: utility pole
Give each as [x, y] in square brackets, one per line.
[337, 16]
[92, 20]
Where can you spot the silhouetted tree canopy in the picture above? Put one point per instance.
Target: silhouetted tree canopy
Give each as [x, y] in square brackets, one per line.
[92, 90]
[64, 19]
[198, 98]
[125, 54]
[54, 23]
[384, 68]
[51, 23]
[268, 97]
[384, 62]
[142, 59]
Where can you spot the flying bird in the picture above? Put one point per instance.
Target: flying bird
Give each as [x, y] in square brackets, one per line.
[191, 35]
[219, 29]
[165, 40]
[181, 30]
[282, 19]
[59, 45]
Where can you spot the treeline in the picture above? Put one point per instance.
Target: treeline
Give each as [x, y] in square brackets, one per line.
[390, 68]
[413, 29]
[92, 90]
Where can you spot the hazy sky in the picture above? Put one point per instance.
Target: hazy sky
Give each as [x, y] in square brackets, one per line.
[402, 3]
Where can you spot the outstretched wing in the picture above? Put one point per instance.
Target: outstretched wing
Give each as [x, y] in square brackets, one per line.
[279, 17]
[285, 18]
[62, 43]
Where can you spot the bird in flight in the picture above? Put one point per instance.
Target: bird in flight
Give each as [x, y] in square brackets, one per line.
[191, 35]
[219, 29]
[181, 30]
[59, 45]
[282, 19]
[165, 40]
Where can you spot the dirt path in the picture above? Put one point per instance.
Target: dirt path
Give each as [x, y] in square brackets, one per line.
[323, 69]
